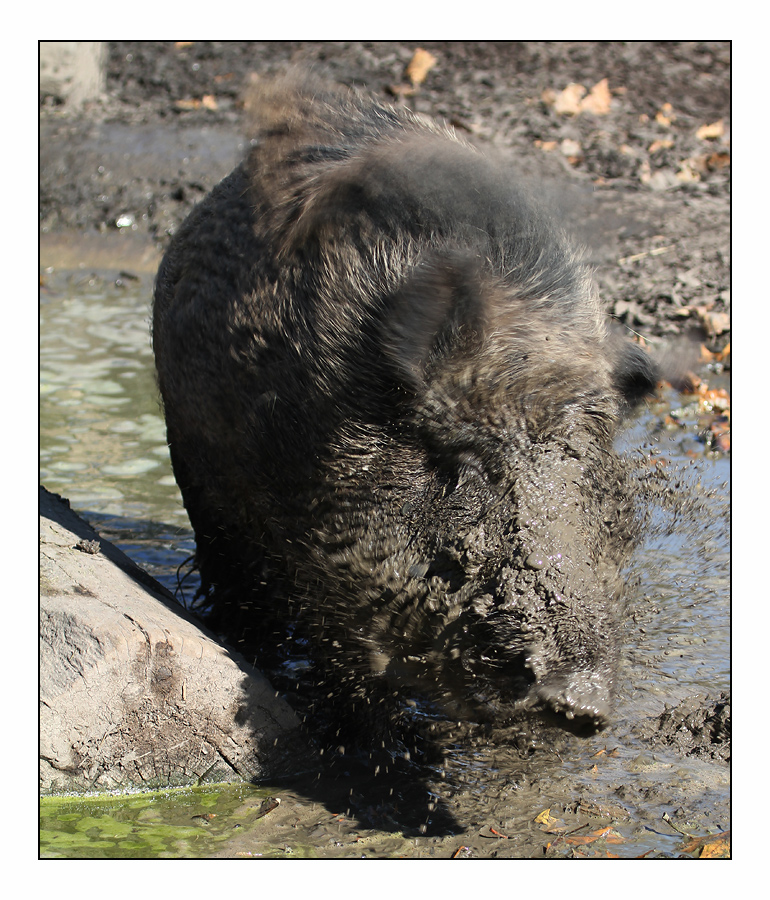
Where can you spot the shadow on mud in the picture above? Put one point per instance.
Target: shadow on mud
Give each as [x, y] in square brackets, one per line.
[389, 793]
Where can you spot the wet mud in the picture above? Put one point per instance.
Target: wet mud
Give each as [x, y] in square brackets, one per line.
[128, 170]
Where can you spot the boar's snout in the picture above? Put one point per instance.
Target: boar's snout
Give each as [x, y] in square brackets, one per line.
[578, 701]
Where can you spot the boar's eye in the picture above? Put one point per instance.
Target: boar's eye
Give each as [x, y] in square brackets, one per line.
[469, 468]
[458, 471]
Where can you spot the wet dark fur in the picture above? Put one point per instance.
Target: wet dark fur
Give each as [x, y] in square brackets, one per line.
[391, 399]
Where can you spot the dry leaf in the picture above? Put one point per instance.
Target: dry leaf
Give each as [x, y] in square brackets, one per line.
[665, 144]
[180, 44]
[709, 132]
[567, 103]
[719, 849]
[665, 115]
[691, 169]
[544, 817]
[488, 831]
[208, 101]
[718, 160]
[598, 101]
[419, 66]
[608, 833]
[548, 96]
[715, 322]
[721, 839]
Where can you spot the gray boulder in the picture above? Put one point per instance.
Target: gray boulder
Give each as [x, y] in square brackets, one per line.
[133, 692]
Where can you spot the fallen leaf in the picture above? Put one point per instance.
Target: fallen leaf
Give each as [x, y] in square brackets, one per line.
[664, 144]
[716, 842]
[549, 824]
[665, 115]
[575, 99]
[608, 833]
[567, 103]
[207, 102]
[190, 103]
[598, 100]
[489, 832]
[180, 44]
[548, 96]
[709, 132]
[419, 66]
[715, 322]
[719, 849]
[717, 160]
[267, 806]
[690, 169]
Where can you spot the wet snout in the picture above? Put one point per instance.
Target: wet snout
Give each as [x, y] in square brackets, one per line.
[577, 701]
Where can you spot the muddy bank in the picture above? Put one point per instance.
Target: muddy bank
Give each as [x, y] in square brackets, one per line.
[642, 177]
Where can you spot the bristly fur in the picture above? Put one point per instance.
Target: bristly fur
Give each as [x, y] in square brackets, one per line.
[391, 398]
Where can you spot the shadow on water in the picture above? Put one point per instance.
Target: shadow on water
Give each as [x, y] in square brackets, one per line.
[388, 793]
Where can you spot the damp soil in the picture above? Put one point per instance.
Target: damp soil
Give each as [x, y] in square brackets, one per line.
[648, 190]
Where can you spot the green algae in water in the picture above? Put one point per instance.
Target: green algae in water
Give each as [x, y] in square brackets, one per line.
[175, 823]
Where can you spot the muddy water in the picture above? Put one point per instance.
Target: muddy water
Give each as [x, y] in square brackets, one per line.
[102, 446]
[102, 434]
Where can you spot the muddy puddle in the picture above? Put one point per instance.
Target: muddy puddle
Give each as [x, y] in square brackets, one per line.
[102, 445]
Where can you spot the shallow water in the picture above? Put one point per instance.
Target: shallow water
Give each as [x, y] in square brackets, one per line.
[102, 434]
[102, 446]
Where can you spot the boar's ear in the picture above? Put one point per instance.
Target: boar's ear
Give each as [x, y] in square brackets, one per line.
[438, 313]
[635, 373]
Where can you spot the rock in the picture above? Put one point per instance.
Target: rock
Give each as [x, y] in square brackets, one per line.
[72, 71]
[134, 693]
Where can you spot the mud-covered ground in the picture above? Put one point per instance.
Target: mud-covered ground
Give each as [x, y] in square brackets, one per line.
[645, 184]
[639, 166]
